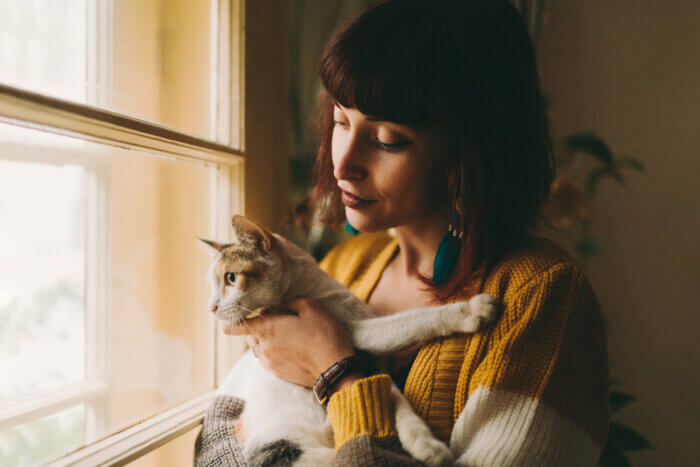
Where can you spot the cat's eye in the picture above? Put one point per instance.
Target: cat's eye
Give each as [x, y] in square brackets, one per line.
[230, 278]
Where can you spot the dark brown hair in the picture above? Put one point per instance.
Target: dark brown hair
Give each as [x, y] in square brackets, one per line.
[468, 67]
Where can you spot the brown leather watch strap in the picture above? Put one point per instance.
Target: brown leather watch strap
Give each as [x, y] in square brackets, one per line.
[359, 363]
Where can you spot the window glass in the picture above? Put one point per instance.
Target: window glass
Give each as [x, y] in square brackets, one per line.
[149, 59]
[42, 250]
[40, 441]
[43, 46]
[103, 299]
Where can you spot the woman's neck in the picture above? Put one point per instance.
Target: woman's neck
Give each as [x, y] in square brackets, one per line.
[418, 243]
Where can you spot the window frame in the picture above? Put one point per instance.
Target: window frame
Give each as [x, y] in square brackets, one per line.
[92, 123]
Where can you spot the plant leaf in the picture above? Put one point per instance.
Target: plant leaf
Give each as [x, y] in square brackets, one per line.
[626, 438]
[595, 175]
[612, 457]
[629, 161]
[619, 399]
[591, 144]
[592, 179]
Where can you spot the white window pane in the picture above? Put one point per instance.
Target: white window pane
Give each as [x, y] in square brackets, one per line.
[102, 265]
[42, 250]
[43, 46]
[40, 441]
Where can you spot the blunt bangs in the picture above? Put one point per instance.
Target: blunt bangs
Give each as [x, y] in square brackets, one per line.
[389, 65]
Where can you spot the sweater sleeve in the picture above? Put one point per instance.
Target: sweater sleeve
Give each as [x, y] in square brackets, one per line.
[540, 395]
[216, 442]
[363, 425]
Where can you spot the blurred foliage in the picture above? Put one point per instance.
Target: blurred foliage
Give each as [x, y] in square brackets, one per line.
[587, 160]
[621, 438]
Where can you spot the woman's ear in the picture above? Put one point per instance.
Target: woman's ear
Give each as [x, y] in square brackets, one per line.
[248, 231]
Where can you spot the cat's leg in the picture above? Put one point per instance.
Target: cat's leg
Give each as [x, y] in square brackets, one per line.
[415, 436]
[390, 333]
[316, 457]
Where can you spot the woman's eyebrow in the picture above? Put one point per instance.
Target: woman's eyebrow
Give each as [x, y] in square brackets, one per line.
[399, 126]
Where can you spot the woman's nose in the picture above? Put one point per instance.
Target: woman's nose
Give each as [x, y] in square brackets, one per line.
[348, 162]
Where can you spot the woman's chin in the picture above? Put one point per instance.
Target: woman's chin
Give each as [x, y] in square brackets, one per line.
[362, 222]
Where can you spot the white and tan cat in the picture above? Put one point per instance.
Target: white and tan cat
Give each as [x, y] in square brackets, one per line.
[282, 419]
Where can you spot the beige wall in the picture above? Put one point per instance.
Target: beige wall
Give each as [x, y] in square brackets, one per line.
[629, 70]
[267, 127]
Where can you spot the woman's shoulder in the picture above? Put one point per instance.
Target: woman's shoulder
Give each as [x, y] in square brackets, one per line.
[532, 260]
[537, 277]
[355, 255]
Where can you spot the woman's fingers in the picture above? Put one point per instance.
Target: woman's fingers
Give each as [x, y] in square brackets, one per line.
[248, 326]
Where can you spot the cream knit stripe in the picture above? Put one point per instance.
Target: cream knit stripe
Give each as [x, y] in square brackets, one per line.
[501, 428]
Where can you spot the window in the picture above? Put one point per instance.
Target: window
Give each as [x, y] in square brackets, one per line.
[120, 142]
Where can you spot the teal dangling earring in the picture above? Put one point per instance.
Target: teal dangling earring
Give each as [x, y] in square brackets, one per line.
[350, 229]
[447, 255]
[446, 258]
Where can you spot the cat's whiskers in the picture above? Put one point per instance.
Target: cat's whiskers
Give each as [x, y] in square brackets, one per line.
[235, 320]
[244, 308]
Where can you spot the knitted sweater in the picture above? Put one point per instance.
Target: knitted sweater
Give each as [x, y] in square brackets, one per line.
[530, 390]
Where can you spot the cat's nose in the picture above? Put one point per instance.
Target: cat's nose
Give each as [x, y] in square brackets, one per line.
[213, 309]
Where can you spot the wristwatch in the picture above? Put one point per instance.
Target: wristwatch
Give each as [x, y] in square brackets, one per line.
[359, 363]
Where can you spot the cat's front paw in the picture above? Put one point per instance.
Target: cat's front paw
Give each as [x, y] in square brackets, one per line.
[481, 310]
[431, 452]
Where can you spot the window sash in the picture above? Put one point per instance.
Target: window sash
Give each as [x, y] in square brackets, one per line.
[137, 440]
[18, 411]
[33, 110]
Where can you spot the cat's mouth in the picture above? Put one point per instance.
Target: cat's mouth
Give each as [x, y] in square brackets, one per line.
[232, 313]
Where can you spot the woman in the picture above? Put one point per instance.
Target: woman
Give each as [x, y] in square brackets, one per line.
[433, 126]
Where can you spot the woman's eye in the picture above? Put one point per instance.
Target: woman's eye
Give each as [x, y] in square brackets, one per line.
[230, 278]
[339, 123]
[389, 147]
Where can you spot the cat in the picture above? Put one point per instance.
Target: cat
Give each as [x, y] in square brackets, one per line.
[282, 420]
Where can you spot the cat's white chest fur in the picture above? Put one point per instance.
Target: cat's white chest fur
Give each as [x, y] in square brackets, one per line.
[276, 409]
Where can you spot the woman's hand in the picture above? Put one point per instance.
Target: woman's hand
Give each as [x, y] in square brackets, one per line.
[296, 341]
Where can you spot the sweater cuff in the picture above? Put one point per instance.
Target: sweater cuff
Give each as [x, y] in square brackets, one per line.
[364, 408]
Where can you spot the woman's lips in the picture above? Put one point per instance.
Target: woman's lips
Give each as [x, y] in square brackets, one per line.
[353, 201]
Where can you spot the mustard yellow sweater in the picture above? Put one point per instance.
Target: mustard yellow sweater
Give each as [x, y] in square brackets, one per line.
[530, 390]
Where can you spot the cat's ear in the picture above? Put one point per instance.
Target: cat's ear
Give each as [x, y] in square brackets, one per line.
[248, 231]
[213, 246]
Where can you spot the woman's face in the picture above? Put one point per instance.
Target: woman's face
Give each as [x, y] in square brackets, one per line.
[389, 173]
